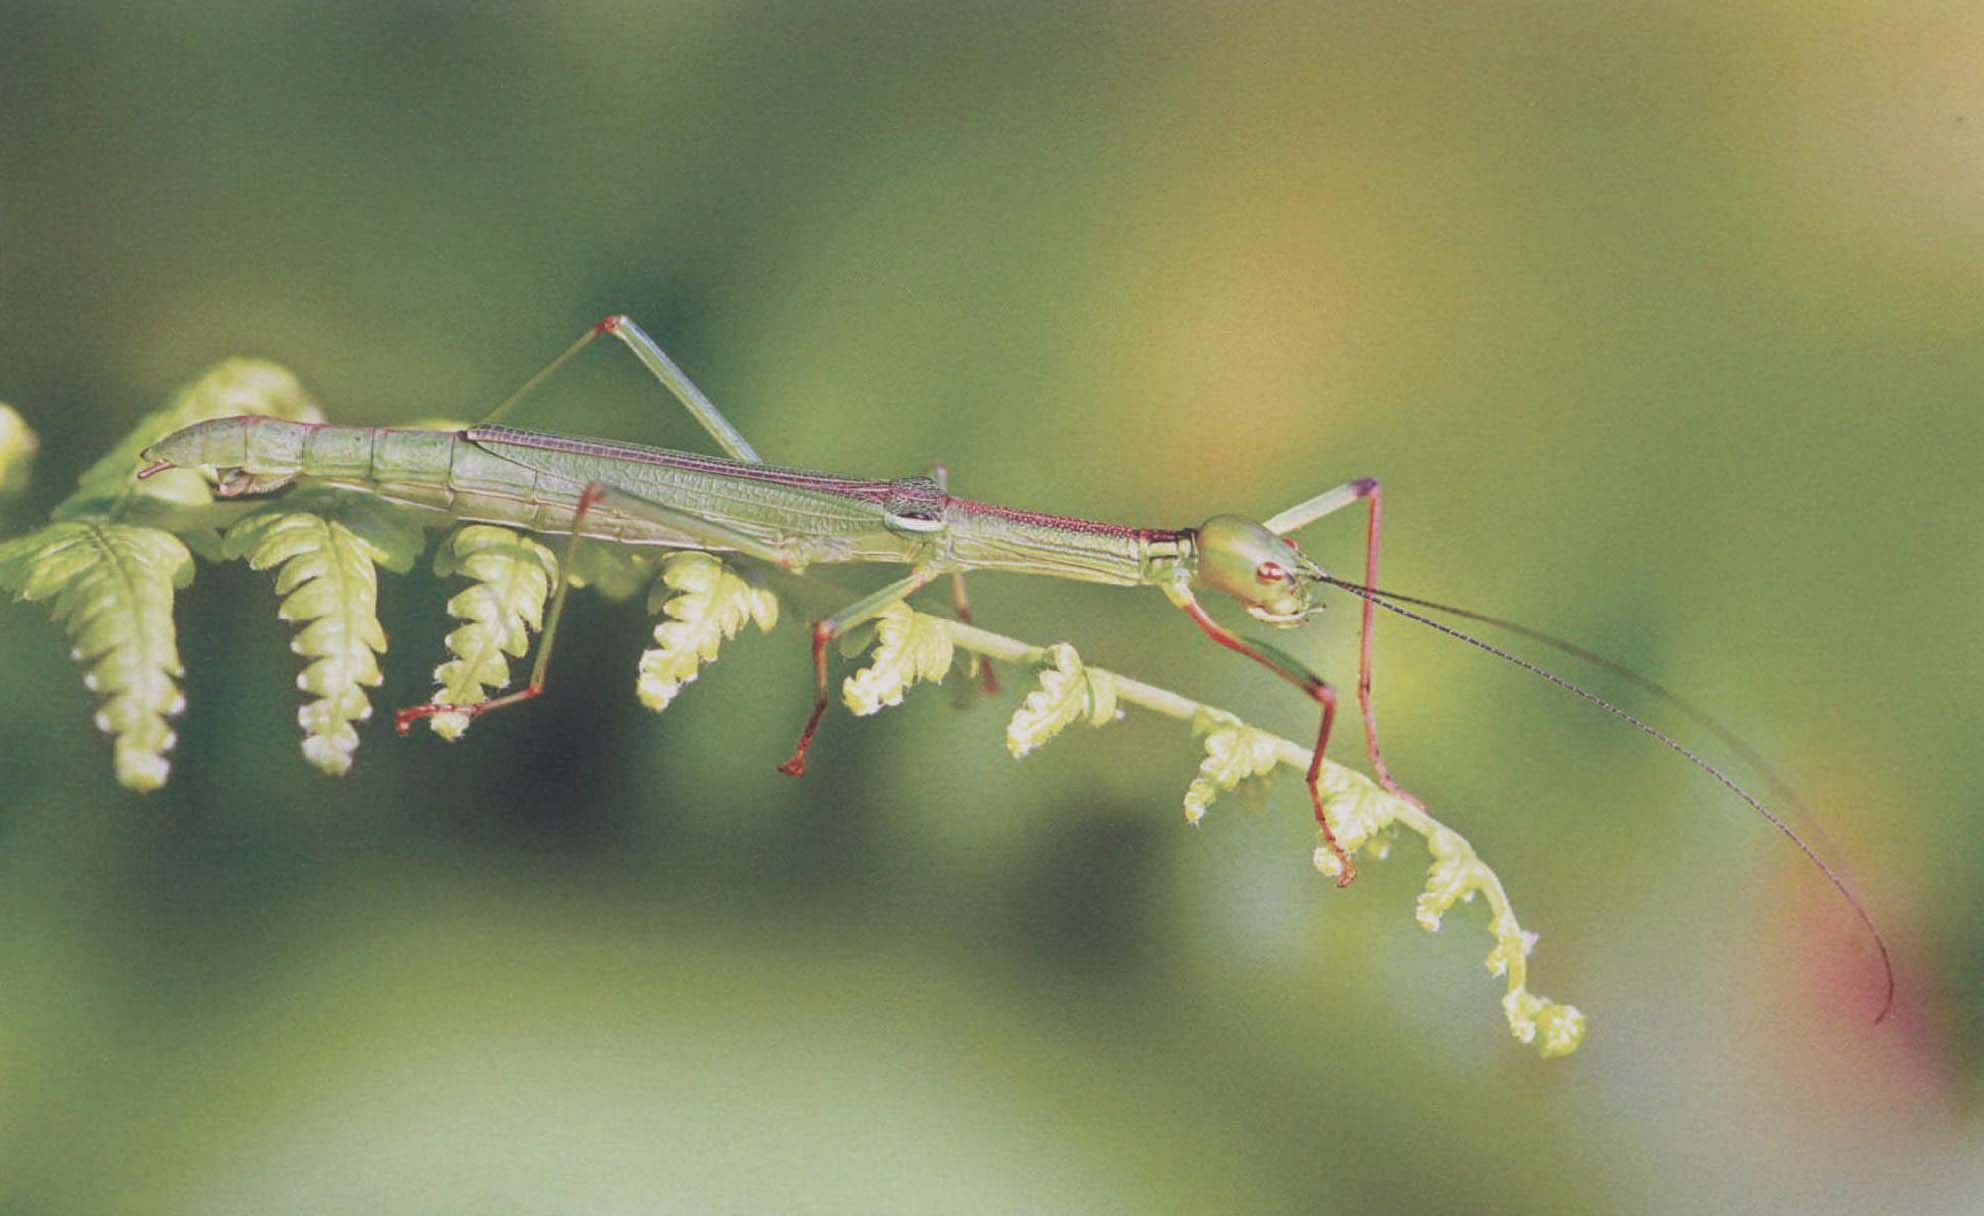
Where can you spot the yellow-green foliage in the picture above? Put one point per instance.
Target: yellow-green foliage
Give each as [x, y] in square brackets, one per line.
[1069, 692]
[110, 576]
[1243, 759]
[111, 587]
[328, 584]
[513, 577]
[1362, 816]
[1237, 758]
[910, 647]
[706, 605]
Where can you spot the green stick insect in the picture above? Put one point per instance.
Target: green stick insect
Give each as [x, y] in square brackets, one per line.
[795, 518]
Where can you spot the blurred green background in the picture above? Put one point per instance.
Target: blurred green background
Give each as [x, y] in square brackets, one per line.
[1661, 323]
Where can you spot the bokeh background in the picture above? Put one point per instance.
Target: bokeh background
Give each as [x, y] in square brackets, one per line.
[1661, 322]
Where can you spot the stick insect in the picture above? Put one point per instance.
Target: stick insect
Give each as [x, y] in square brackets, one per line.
[794, 518]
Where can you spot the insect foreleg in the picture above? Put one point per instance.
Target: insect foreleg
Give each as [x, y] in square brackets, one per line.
[1312, 685]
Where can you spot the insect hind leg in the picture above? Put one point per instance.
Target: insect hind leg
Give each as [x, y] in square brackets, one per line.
[661, 367]
[404, 719]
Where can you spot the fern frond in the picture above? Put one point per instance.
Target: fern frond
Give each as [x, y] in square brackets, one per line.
[17, 448]
[327, 546]
[1237, 757]
[232, 386]
[910, 647]
[513, 578]
[710, 606]
[1069, 692]
[111, 585]
[1363, 816]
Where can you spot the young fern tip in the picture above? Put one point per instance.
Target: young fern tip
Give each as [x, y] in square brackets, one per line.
[1069, 692]
[909, 649]
[1237, 757]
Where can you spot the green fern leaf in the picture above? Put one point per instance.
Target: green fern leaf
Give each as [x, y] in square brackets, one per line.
[513, 577]
[327, 547]
[910, 647]
[1069, 692]
[1237, 755]
[111, 586]
[710, 606]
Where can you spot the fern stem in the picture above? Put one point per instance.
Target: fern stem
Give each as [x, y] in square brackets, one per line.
[1457, 873]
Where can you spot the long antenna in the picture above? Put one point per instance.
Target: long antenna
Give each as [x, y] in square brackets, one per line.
[1780, 788]
[1378, 597]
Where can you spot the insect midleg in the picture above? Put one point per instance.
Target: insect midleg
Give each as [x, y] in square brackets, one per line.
[708, 532]
[1368, 491]
[827, 629]
[663, 368]
[404, 719]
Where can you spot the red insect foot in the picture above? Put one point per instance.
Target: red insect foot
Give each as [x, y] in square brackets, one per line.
[1348, 873]
[404, 719]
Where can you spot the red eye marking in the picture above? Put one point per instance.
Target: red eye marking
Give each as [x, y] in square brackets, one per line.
[1289, 541]
[1270, 572]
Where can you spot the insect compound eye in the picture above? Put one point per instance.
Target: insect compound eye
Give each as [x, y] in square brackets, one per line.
[1270, 572]
[915, 521]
